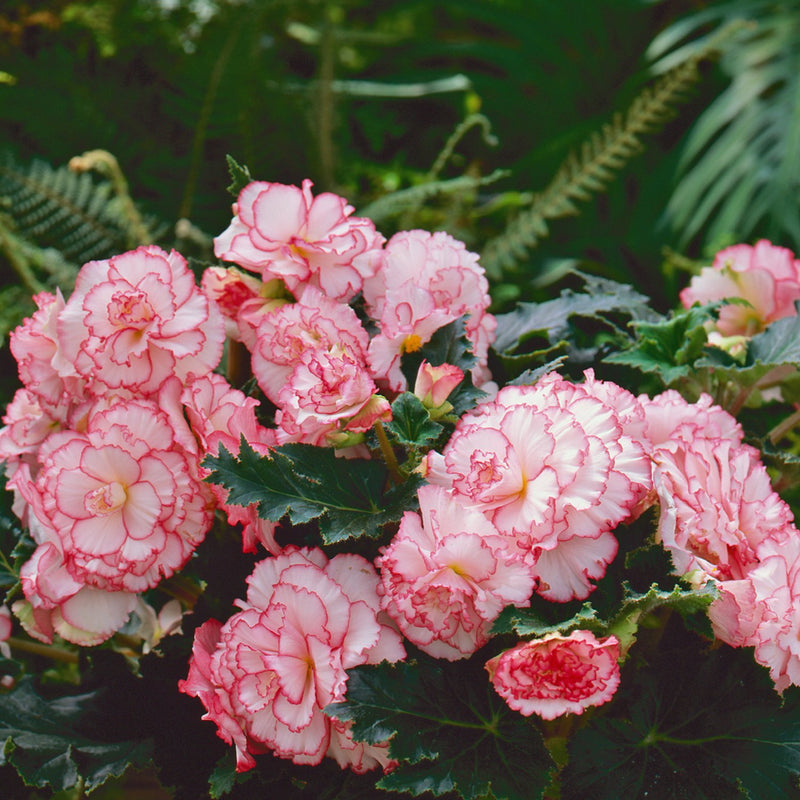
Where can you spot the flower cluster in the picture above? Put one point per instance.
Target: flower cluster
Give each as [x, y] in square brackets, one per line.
[519, 501]
[105, 469]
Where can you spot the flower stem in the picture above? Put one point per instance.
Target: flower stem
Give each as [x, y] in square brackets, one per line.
[47, 650]
[388, 454]
[783, 427]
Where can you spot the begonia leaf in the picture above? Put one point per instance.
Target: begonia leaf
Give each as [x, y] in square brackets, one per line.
[447, 345]
[625, 622]
[43, 741]
[778, 344]
[448, 729]
[411, 424]
[550, 320]
[349, 497]
[707, 725]
[668, 347]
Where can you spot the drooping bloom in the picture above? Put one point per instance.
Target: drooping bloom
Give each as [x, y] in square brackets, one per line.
[137, 319]
[285, 232]
[717, 506]
[314, 323]
[265, 675]
[329, 393]
[425, 281]
[557, 674]
[447, 574]
[764, 275]
[550, 466]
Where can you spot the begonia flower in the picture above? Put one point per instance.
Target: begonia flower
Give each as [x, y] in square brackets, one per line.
[557, 674]
[434, 385]
[285, 232]
[327, 392]
[136, 319]
[547, 463]
[286, 334]
[447, 574]
[767, 277]
[123, 498]
[717, 506]
[266, 674]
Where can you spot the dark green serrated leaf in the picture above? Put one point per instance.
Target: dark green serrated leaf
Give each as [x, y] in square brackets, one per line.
[448, 728]
[448, 345]
[669, 347]
[411, 424]
[47, 749]
[240, 176]
[551, 319]
[305, 483]
[778, 344]
[625, 623]
[701, 725]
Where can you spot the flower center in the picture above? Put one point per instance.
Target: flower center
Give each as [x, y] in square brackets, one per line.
[130, 310]
[105, 500]
[411, 344]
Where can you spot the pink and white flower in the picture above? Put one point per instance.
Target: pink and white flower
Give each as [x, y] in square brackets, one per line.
[266, 674]
[557, 674]
[447, 574]
[549, 464]
[135, 320]
[123, 498]
[328, 393]
[315, 323]
[285, 232]
[717, 506]
[766, 276]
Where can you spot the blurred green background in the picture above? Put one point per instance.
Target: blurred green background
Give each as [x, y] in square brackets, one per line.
[362, 98]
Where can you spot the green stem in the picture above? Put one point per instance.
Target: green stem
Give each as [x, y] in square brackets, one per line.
[388, 454]
[783, 427]
[47, 650]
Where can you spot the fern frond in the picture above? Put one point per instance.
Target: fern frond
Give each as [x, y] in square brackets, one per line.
[55, 207]
[590, 168]
[391, 205]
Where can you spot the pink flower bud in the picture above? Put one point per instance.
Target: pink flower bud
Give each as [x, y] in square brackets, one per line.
[434, 384]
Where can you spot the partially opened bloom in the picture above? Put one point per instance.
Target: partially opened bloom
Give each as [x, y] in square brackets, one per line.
[557, 674]
[286, 232]
[328, 393]
[447, 574]
[266, 674]
[765, 276]
[717, 506]
[137, 319]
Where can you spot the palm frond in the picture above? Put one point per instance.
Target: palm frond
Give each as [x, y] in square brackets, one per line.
[739, 173]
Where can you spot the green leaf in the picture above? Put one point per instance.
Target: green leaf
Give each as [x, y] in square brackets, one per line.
[240, 176]
[411, 424]
[552, 319]
[448, 728]
[778, 344]
[306, 483]
[669, 347]
[699, 725]
[44, 744]
[624, 624]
